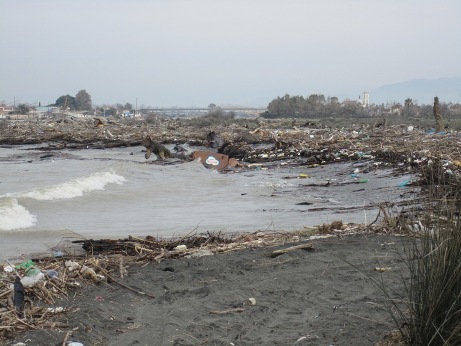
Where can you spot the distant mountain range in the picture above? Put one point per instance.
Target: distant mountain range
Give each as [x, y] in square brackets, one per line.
[421, 90]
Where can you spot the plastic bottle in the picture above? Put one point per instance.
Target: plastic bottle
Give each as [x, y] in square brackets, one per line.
[30, 281]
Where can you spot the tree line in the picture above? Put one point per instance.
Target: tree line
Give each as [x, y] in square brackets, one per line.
[318, 106]
[313, 106]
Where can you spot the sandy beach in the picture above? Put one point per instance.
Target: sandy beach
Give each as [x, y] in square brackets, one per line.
[321, 296]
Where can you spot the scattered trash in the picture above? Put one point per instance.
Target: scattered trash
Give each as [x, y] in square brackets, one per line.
[214, 160]
[301, 339]
[58, 254]
[56, 310]
[382, 269]
[404, 183]
[18, 296]
[30, 281]
[252, 301]
[25, 265]
[181, 248]
[86, 271]
[32, 271]
[53, 274]
[71, 265]
[200, 253]
[8, 269]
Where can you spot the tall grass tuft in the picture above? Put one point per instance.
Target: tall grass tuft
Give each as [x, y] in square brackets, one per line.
[433, 315]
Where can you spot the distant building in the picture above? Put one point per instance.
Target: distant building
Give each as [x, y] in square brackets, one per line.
[6, 110]
[365, 99]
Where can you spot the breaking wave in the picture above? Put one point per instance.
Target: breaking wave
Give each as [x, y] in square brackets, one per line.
[73, 188]
[14, 215]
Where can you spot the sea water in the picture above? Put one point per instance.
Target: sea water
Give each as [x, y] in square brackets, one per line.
[49, 197]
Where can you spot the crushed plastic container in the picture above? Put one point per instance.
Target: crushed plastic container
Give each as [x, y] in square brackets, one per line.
[30, 281]
[53, 274]
[25, 265]
[32, 271]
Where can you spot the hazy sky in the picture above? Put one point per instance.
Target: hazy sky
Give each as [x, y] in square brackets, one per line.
[197, 52]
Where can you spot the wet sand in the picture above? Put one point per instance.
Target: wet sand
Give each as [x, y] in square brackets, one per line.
[322, 296]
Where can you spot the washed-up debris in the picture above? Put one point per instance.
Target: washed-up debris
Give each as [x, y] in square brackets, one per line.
[308, 246]
[228, 311]
[214, 160]
[251, 301]
[382, 269]
[25, 308]
[266, 144]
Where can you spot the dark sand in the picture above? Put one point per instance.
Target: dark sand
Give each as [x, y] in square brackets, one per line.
[316, 297]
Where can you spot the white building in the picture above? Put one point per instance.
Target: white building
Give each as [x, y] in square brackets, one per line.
[365, 99]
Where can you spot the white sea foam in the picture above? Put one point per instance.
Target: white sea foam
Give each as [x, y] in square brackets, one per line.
[73, 188]
[14, 215]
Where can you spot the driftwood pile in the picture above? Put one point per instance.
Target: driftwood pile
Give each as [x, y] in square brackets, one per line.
[30, 292]
[265, 143]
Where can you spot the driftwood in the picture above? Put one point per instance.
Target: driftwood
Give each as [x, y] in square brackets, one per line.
[228, 311]
[308, 246]
[125, 286]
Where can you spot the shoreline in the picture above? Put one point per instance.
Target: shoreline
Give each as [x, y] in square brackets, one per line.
[304, 296]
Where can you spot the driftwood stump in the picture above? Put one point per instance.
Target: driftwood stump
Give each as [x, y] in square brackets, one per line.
[438, 118]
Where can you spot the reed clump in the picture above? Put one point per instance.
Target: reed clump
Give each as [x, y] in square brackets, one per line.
[431, 314]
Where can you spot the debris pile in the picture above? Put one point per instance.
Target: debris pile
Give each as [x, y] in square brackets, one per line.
[267, 143]
[31, 291]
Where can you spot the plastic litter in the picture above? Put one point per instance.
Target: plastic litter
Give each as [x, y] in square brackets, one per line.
[86, 272]
[8, 269]
[53, 274]
[30, 281]
[18, 296]
[56, 310]
[181, 248]
[58, 254]
[32, 271]
[404, 183]
[71, 265]
[25, 265]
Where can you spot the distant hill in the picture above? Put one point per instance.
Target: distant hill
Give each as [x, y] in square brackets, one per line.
[420, 90]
